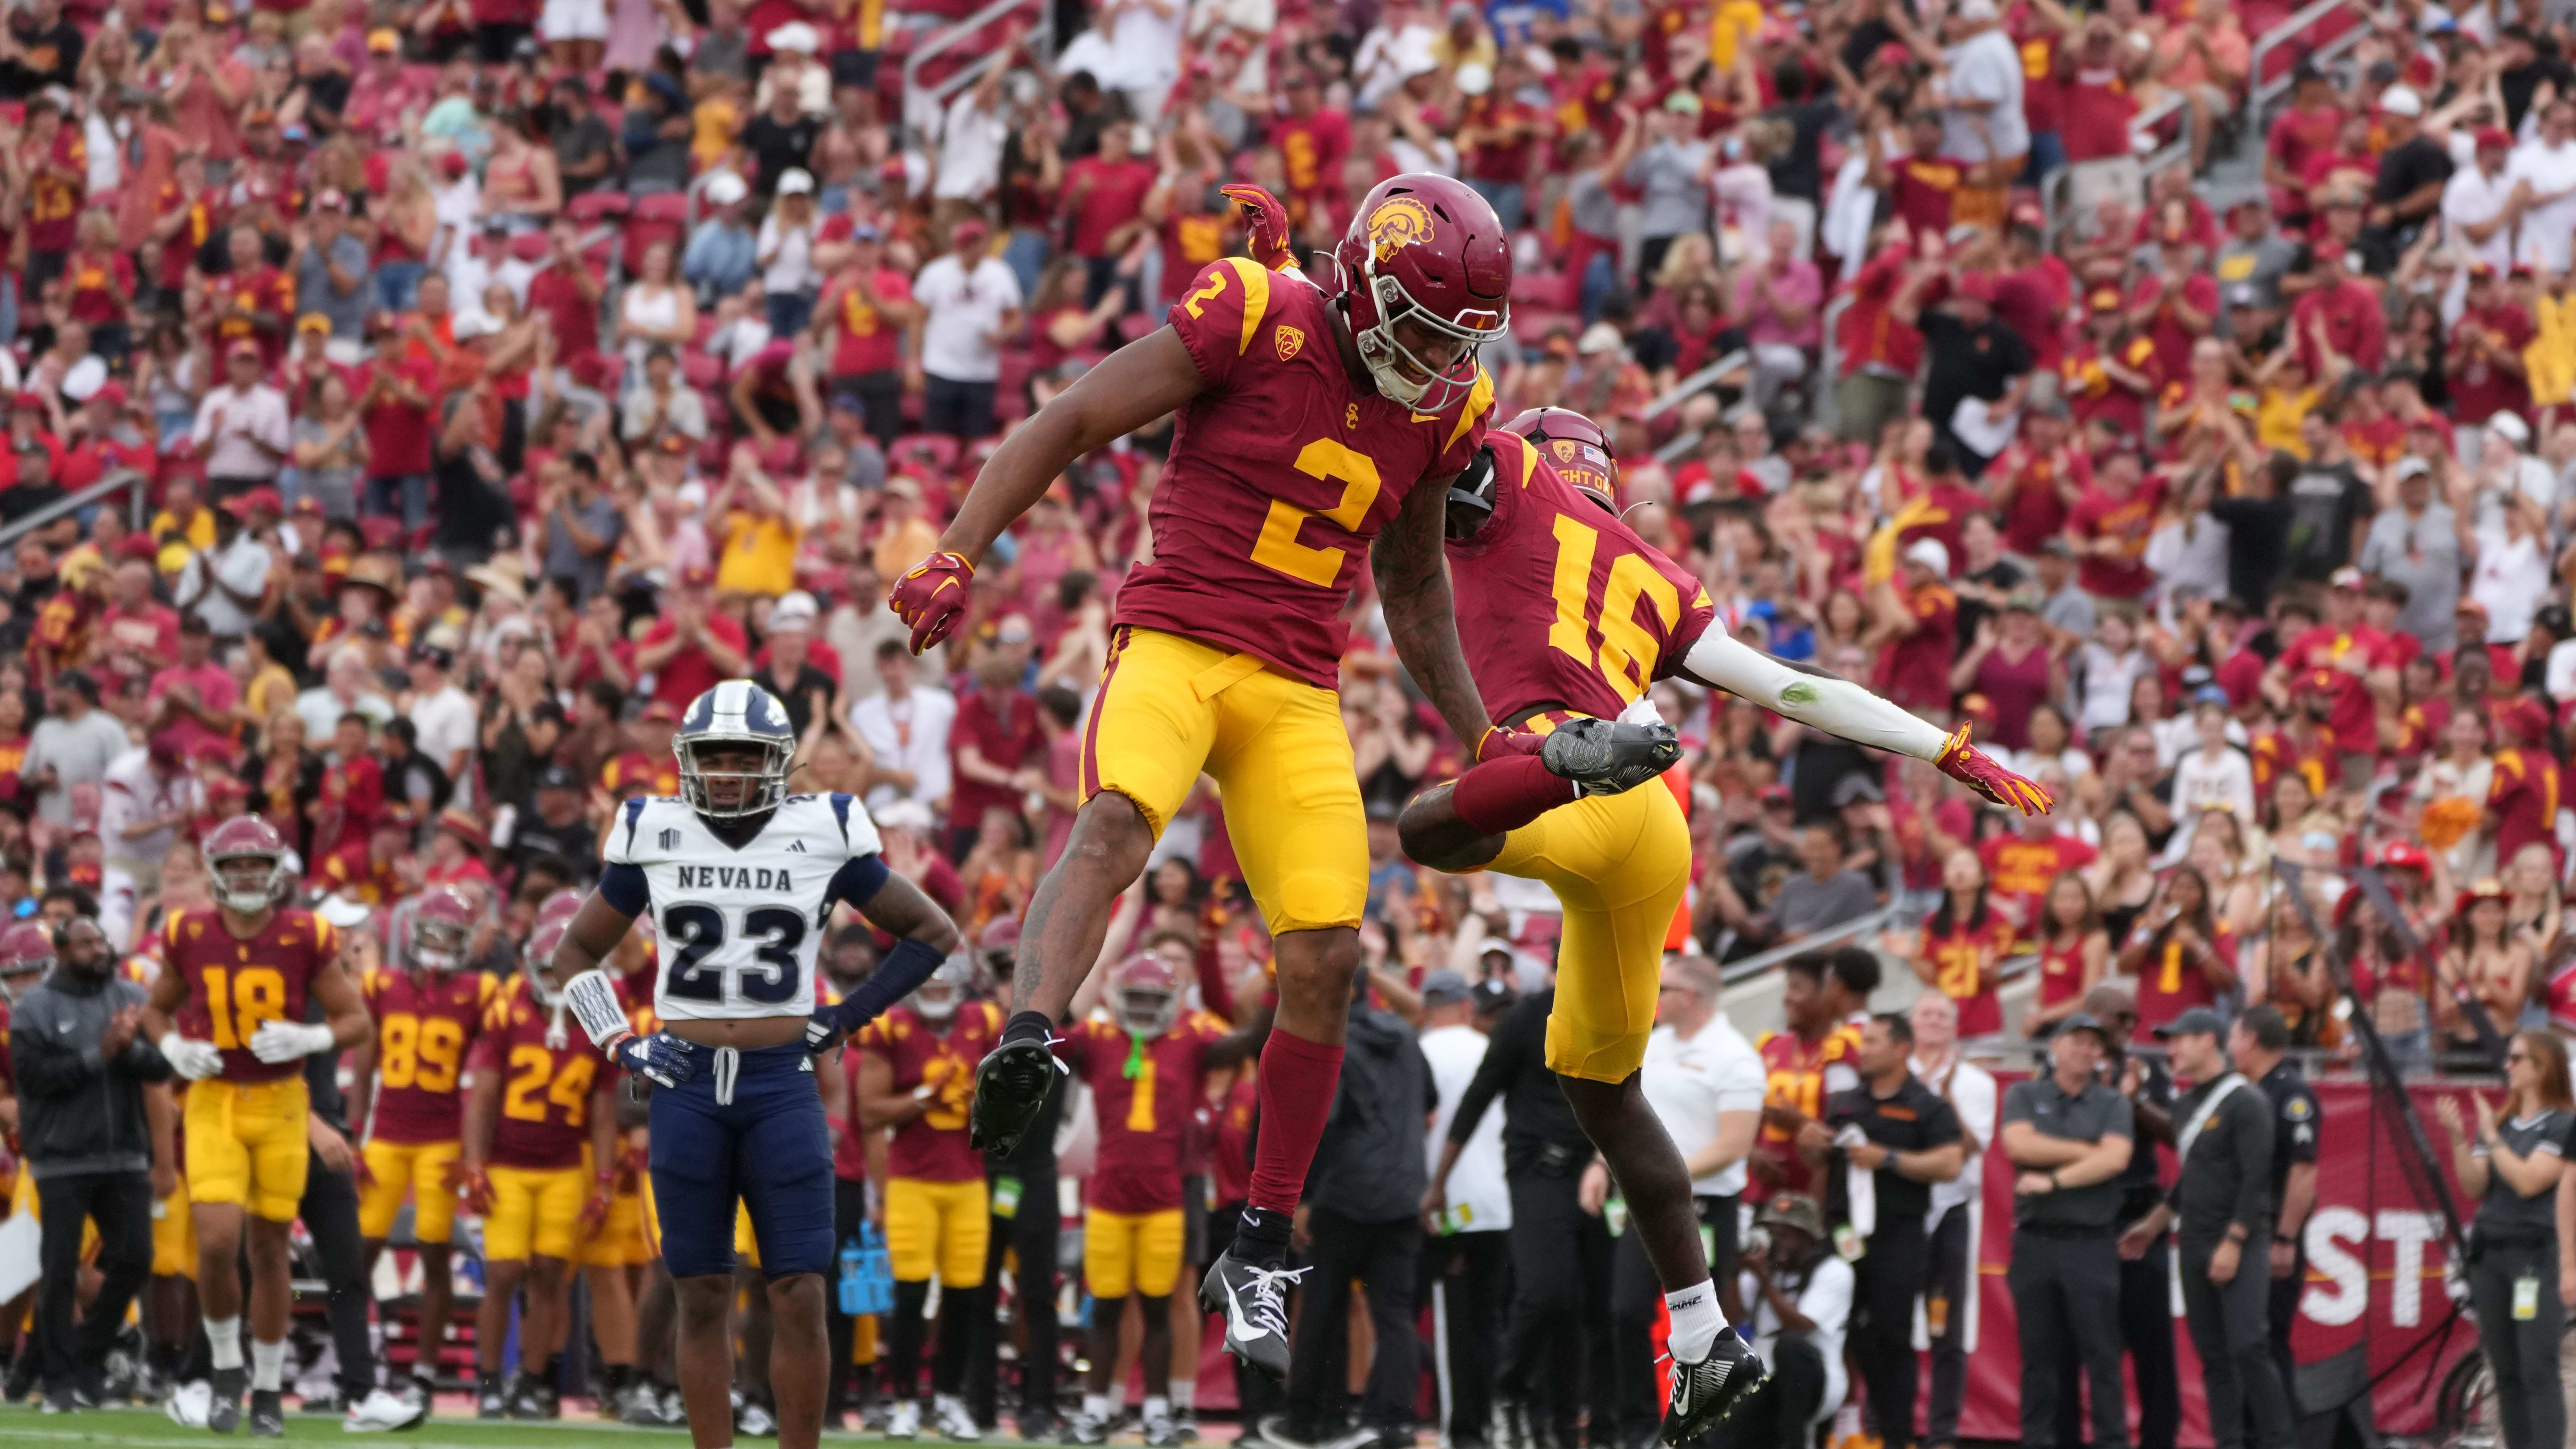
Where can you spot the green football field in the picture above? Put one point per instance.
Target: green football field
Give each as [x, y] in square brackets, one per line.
[22, 1426]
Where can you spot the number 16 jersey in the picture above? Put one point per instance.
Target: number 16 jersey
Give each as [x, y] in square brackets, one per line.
[737, 929]
[1281, 473]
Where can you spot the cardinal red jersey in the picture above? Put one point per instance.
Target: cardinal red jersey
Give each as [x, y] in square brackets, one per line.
[2523, 793]
[2312, 758]
[2356, 714]
[1144, 1093]
[2091, 391]
[2036, 511]
[2020, 870]
[1560, 603]
[932, 1147]
[235, 984]
[544, 1116]
[2562, 999]
[426, 1024]
[236, 296]
[55, 193]
[2169, 984]
[1281, 472]
[1955, 957]
[1794, 1072]
[2061, 970]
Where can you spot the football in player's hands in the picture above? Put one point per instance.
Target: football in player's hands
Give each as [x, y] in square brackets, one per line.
[194, 1060]
[931, 597]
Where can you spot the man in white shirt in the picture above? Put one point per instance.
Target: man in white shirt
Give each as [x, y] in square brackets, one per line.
[1470, 1245]
[1798, 1300]
[143, 799]
[442, 713]
[906, 725]
[72, 745]
[1950, 1299]
[2546, 163]
[241, 428]
[222, 585]
[1983, 121]
[971, 302]
[2481, 203]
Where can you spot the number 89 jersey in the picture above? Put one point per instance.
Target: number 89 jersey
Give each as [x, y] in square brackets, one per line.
[737, 929]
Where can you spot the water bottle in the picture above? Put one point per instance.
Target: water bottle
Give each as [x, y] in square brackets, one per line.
[851, 1289]
[875, 1273]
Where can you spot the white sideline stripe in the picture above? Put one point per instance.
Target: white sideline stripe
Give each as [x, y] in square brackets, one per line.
[409, 1439]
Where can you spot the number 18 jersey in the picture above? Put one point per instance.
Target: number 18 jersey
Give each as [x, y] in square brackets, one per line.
[737, 929]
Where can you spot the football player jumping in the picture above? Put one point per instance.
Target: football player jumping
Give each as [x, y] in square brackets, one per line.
[741, 877]
[1312, 427]
[228, 1011]
[1567, 615]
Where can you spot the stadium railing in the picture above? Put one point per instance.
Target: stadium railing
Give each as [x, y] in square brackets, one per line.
[136, 485]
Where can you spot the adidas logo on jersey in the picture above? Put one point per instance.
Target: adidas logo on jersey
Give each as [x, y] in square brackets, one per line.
[733, 877]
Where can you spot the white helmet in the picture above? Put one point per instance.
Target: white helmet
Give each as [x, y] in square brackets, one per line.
[735, 713]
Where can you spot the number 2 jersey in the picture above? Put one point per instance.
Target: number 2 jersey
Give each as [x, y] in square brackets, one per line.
[548, 1069]
[234, 985]
[1280, 475]
[1145, 1093]
[426, 1024]
[737, 929]
[1559, 603]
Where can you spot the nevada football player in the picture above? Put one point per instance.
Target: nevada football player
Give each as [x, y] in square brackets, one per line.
[741, 878]
[1312, 427]
[1566, 615]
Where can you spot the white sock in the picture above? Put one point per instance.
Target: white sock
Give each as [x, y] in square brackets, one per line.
[1696, 1321]
[223, 1340]
[1157, 1407]
[1095, 1406]
[267, 1365]
[1185, 1395]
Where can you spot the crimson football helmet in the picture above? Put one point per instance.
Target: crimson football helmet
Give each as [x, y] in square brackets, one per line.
[561, 906]
[541, 954]
[246, 859]
[938, 997]
[1428, 253]
[1145, 996]
[1576, 447]
[441, 925]
[26, 953]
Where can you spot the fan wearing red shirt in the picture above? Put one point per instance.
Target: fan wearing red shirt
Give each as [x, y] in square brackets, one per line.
[867, 304]
[2174, 307]
[1918, 631]
[394, 394]
[2350, 311]
[2305, 131]
[56, 162]
[2109, 529]
[2484, 363]
[1102, 200]
[1879, 353]
[252, 300]
[1497, 136]
[2094, 107]
[567, 293]
[692, 648]
[2353, 664]
[2181, 956]
[1312, 144]
[2021, 866]
[2107, 375]
[994, 734]
[2522, 793]
[2037, 480]
[1922, 181]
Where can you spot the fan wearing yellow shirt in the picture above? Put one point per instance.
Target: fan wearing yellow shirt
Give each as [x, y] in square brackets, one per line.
[181, 513]
[759, 539]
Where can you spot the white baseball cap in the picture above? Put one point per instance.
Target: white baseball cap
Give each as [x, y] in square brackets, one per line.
[1930, 553]
[796, 181]
[2400, 101]
[725, 188]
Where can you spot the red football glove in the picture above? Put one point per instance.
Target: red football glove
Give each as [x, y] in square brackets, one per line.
[475, 1187]
[932, 597]
[1268, 221]
[1977, 770]
[594, 1212]
[1499, 743]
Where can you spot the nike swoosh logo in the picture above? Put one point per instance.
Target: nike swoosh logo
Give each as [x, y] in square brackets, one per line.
[1239, 1328]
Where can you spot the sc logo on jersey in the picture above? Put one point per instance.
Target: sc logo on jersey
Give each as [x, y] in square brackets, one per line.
[1399, 221]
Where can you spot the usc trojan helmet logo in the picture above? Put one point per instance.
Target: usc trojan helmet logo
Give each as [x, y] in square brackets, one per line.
[1399, 221]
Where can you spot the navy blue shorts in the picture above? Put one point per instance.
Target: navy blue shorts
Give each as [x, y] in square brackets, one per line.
[767, 1147]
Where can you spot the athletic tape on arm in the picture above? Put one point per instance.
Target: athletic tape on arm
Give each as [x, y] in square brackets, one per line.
[593, 999]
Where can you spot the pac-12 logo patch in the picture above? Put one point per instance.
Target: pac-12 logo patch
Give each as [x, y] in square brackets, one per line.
[1399, 221]
[1287, 339]
[1563, 448]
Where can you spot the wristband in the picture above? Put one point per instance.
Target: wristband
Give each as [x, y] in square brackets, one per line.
[2286, 1240]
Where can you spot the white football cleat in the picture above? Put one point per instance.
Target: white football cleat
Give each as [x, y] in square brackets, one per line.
[905, 1421]
[954, 1421]
[384, 1412]
[190, 1403]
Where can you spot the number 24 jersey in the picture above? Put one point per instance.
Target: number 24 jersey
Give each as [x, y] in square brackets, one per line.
[737, 929]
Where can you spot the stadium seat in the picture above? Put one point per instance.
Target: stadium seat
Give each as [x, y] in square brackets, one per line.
[932, 453]
[661, 216]
[595, 206]
[704, 370]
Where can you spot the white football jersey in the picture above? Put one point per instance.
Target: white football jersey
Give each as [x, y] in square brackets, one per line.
[737, 930]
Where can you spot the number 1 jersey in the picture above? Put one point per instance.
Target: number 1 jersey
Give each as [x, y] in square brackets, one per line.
[1560, 603]
[1280, 475]
[737, 929]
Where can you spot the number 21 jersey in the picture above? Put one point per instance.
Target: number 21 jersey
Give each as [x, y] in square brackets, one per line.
[1281, 473]
[737, 929]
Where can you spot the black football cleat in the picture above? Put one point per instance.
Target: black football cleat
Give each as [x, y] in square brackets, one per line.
[1603, 757]
[1010, 1090]
[267, 1414]
[224, 1412]
[1252, 1298]
[1707, 1391]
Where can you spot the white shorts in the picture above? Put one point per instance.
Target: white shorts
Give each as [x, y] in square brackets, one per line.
[574, 20]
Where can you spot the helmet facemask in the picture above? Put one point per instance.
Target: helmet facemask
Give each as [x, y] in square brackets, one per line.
[438, 946]
[1404, 375]
[944, 990]
[21, 975]
[755, 791]
[246, 883]
[1146, 1011]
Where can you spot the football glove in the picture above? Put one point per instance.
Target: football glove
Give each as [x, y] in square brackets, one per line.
[474, 1190]
[660, 1058]
[594, 1212]
[932, 596]
[192, 1059]
[287, 1041]
[1266, 223]
[1978, 771]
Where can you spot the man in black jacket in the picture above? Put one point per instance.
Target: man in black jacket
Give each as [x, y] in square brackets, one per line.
[83, 1069]
[1359, 1218]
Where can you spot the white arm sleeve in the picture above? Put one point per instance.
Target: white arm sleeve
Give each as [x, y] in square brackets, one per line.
[593, 1000]
[1836, 706]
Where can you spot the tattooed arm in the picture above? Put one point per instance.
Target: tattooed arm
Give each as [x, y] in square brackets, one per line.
[1413, 586]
